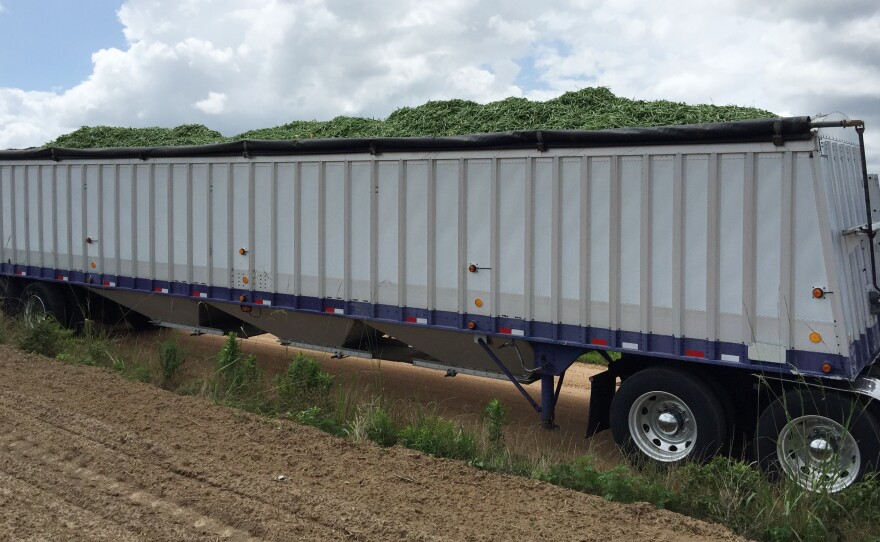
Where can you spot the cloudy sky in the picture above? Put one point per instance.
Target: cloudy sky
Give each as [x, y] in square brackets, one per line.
[235, 65]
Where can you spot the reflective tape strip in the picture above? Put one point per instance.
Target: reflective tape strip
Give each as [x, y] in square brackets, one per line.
[728, 357]
[331, 310]
[161, 290]
[630, 346]
[263, 302]
[510, 331]
[21, 273]
[108, 283]
[599, 342]
[415, 320]
[199, 294]
[695, 353]
[61, 277]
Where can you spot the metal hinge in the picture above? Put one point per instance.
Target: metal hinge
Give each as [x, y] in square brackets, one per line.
[862, 229]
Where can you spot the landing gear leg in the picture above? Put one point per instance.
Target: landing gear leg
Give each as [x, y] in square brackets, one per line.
[549, 396]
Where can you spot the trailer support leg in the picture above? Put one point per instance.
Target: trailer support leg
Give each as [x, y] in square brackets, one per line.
[510, 376]
[558, 388]
[548, 401]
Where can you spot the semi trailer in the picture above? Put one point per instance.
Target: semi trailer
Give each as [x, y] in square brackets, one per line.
[730, 266]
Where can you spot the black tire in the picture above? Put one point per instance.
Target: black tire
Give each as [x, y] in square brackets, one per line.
[805, 419]
[10, 295]
[645, 404]
[735, 441]
[46, 298]
[110, 313]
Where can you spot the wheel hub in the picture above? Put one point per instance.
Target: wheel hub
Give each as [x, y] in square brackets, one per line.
[822, 449]
[818, 453]
[662, 426]
[668, 422]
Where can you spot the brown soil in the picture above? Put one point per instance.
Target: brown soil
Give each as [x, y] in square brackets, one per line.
[85, 454]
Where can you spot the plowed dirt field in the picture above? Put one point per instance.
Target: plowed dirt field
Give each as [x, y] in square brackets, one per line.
[86, 455]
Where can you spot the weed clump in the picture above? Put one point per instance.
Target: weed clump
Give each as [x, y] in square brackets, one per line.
[372, 421]
[316, 417]
[44, 336]
[171, 357]
[440, 437]
[495, 415]
[238, 380]
[619, 484]
[303, 385]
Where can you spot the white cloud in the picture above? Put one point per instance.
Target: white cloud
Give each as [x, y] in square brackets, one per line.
[2, 8]
[281, 60]
[214, 104]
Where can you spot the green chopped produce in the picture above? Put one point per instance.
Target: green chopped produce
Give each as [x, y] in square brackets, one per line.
[593, 108]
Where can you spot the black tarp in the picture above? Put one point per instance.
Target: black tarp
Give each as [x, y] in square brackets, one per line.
[748, 131]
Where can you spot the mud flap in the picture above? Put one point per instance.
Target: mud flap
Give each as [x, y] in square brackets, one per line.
[601, 392]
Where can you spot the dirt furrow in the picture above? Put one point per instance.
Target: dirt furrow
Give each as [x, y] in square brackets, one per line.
[132, 460]
[109, 498]
[26, 510]
[90, 443]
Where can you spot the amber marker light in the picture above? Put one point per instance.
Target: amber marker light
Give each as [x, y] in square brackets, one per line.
[815, 337]
[478, 302]
[472, 268]
[242, 298]
[826, 367]
[818, 293]
[242, 251]
[472, 325]
[244, 280]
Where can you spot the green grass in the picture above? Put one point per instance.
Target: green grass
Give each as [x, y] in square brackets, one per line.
[590, 108]
[171, 357]
[305, 384]
[372, 421]
[237, 379]
[595, 358]
[495, 416]
[44, 336]
[439, 437]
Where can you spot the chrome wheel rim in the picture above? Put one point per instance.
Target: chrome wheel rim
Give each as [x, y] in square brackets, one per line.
[662, 426]
[818, 454]
[34, 311]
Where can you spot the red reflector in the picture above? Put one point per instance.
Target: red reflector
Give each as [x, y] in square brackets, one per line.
[599, 342]
[505, 330]
[329, 309]
[695, 353]
[411, 319]
[59, 277]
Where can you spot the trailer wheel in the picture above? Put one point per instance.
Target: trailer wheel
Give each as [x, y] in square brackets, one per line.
[819, 439]
[667, 416]
[39, 300]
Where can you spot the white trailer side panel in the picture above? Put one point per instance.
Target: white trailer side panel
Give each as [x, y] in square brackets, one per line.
[697, 251]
